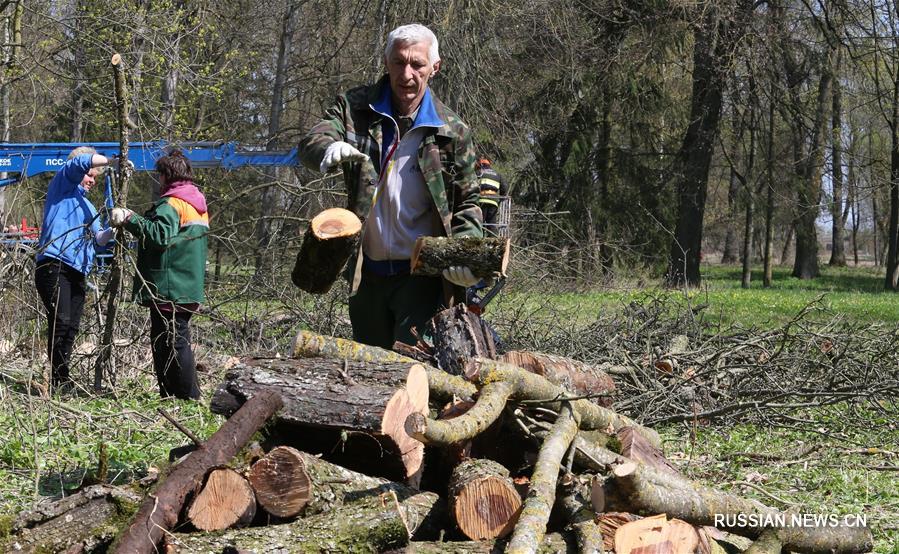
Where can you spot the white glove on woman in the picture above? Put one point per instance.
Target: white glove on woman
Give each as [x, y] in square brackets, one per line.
[460, 275]
[104, 236]
[340, 152]
[118, 216]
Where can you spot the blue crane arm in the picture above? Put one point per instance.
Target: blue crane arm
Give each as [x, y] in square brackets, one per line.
[29, 159]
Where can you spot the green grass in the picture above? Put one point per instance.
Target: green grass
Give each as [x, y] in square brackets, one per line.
[853, 293]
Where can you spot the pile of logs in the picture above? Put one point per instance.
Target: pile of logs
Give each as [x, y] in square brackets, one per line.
[446, 447]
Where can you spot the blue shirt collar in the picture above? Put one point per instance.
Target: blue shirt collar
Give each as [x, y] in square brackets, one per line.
[427, 112]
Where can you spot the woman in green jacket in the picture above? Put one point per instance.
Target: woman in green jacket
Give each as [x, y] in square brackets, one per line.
[171, 270]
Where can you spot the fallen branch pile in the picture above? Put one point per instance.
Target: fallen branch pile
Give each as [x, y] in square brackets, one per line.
[369, 450]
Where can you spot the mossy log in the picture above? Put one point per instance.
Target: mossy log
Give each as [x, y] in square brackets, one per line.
[226, 501]
[160, 511]
[312, 345]
[578, 377]
[459, 335]
[280, 481]
[85, 521]
[374, 523]
[371, 398]
[553, 543]
[487, 408]
[483, 501]
[485, 257]
[531, 525]
[767, 543]
[330, 240]
[529, 386]
[648, 491]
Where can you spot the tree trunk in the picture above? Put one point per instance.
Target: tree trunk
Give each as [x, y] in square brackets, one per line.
[83, 522]
[731, 252]
[159, 513]
[486, 258]
[578, 377]
[483, 501]
[330, 240]
[374, 523]
[769, 197]
[360, 398]
[891, 281]
[837, 252]
[226, 501]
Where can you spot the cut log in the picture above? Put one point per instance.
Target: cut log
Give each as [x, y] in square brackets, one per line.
[581, 519]
[370, 398]
[226, 501]
[485, 257]
[374, 523]
[330, 240]
[578, 377]
[483, 501]
[280, 481]
[458, 336]
[649, 491]
[159, 513]
[311, 345]
[529, 386]
[531, 525]
[608, 523]
[656, 535]
[86, 521]
[636, 448]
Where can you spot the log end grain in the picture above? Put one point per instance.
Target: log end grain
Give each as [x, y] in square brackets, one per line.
[281, 482]
[656, 535]
[334, 223]
[411, 399]
[487, 509]
[227, 500]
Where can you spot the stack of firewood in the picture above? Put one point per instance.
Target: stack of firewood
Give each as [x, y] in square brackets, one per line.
[448, 446]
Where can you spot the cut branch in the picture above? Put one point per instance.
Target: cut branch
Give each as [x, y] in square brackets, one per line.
[485, 257]
[332, 237]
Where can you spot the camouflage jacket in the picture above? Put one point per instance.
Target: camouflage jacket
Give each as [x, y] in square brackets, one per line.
[446, 157]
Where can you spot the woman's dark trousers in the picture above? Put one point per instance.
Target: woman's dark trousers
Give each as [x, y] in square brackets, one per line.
[62, 290]
[173, 359]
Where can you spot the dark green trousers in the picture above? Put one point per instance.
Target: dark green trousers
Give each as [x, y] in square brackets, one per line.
[385, 309]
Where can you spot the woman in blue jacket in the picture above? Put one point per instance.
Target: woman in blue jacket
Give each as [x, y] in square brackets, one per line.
[66, 250]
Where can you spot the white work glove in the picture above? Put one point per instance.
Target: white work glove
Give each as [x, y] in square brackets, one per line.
[340, 152]
[104, 236]
[118, 216]
[460, 275]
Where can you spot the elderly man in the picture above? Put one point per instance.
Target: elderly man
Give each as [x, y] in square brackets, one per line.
[409, 167]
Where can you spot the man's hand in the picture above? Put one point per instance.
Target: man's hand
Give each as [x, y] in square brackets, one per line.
[118, 216]
[104, 236]
[340, 152]
[460, 275]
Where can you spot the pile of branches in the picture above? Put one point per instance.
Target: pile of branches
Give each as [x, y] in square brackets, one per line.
[448, 446]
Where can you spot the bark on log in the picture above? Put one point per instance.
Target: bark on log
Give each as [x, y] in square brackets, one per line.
[226, 501]
[767, 543]
[487, 408]
[485, 257]
[529, 386]
[330, 240]
[649, 491]
[541, 496]
[573, 375]
[483, 501]
[311, 345]
[374, 523]
[280, 481]
[656, 535]
[458, 336]
[581, 518]
[371, 398]
[608, 524]
[636, 448]
[85, 521]
[553, 543]
[159, 512]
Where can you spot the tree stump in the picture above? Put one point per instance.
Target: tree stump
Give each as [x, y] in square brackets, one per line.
[280, 482]
[483, 500]
[485, 257]
[372, 399]
[226, 501]
[330, 240]
[576, 376]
